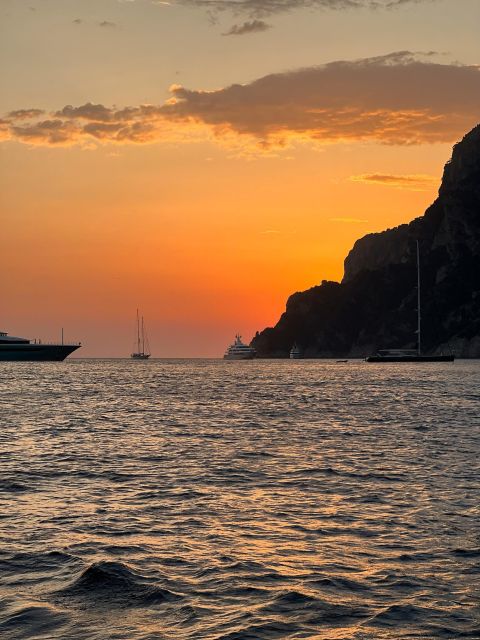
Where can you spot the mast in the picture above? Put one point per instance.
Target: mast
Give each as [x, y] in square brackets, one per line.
[419, 316]
[138, 333]
[143, 338]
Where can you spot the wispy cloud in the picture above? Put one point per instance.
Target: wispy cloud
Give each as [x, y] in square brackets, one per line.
[104, 23]
[348, 220]
[263, 8]
[411, 182]
[399, 98]
[252, 26]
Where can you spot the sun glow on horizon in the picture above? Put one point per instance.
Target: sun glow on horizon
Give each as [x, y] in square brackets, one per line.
[210, 203]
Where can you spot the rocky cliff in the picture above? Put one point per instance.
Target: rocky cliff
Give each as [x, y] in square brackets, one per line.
[375, 304]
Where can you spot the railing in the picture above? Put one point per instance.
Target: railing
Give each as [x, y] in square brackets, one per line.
[54, 344]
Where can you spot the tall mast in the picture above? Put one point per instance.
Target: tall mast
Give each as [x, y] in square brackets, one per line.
[138, 333]
[143, 338]
[419, 316]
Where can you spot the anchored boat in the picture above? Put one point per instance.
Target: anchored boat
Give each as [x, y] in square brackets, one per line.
[411, 355]
[14, 349]
[142, 347]
[295, 352]
[239, 351]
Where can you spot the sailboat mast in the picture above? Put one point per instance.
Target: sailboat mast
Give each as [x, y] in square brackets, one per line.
[138, 333]
[143, 337]
[419, 316]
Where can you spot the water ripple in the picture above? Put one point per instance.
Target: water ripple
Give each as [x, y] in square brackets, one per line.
[186, 500]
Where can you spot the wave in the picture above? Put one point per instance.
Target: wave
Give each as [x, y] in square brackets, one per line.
[312, 610]
[110, 583]
[8, 486]
[34, 564]
[269, 630]
[32, 622]
[398, 613]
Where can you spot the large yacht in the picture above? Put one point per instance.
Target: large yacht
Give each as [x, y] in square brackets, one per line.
[239, 351]
[15, 349]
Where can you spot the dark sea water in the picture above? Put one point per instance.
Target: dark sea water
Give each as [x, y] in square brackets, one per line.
[239, 500]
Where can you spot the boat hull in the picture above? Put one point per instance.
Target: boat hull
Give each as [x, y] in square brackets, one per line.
[140, 356]
[242, 356]
[412, 358]
[36, 352]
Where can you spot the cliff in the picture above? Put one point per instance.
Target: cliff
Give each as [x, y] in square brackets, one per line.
[375, 304]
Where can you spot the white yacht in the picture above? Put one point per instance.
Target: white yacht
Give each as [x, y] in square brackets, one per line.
[295, 352]
[239, 351]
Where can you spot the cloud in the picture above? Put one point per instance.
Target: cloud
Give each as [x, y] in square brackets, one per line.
[47, 132]
[252, 26]
[25, 114]
[104, 23]
[400, 98]
[412, 182]
[265, 8]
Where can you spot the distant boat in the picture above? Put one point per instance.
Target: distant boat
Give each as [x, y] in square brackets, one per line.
[410, 355]
[21, 349]
[239, 351]
[295, 352]
[143, 351]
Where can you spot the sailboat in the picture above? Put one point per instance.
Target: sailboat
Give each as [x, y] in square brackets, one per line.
[411, 355]
[142, 352]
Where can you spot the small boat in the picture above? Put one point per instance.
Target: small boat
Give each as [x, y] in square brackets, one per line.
[239, 351]
[143, 351]
[406, 355]
[295, 352]
[411, 355]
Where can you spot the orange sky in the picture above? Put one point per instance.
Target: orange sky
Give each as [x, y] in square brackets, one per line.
[208, 212]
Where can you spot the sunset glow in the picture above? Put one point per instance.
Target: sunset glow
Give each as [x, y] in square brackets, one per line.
[148, 160]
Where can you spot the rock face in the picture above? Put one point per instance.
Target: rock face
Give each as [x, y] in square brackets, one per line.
[374, 306]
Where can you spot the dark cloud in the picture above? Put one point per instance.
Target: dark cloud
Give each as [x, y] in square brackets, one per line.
[400, 98]
[25, 114]
[263, 8]
[251, 26]
[87, 111]
[46, 132]
[397, 99]
[77, 21]
[107, 24]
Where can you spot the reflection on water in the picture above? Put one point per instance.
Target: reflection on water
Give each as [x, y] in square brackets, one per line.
[239, 500]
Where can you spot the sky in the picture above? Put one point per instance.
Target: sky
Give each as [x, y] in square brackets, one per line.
[202, 160]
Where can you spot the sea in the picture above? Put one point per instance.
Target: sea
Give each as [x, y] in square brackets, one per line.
[205, 499]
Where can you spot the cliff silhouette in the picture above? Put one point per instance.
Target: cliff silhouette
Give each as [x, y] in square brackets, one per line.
[374, 307]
